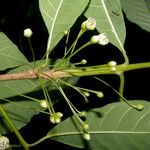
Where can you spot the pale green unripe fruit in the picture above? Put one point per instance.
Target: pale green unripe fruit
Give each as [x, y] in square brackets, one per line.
[27, 33]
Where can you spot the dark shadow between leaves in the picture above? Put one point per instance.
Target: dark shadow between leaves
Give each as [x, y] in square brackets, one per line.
[97, 113]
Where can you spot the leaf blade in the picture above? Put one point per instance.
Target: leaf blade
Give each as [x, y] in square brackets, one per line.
[19, 115]
[56, 14]
[109, 20]
[138, 11]
[115, 126]
[10, 56]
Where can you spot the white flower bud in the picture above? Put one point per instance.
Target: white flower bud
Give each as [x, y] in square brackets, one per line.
[27, 33]
[86, 136]
[112, 63]
[103, 40]
[83, 61]
[100, 94]
[4, 143]
[43, 103]
[89, 24]
[94, 39]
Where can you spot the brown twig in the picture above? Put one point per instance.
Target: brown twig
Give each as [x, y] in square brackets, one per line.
[32, 74]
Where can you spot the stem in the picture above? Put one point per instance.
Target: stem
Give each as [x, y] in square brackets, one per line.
[73, 54]
[40, 140]
[72, 47]
[99, 70]
[78, 50]
[125, 57]
[38, 110]
[80, 71]
[32, 51]
[67, 39]
[75, 42]
[12, 126]
[122, 81]
[70, 105]
[75, 88]
[124, 99]
[46, 98]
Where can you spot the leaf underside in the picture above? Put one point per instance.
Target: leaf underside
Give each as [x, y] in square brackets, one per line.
[138, 11]
[116, 126]
[59, 15]
[10, 56]
[109, 18]
[19, 114]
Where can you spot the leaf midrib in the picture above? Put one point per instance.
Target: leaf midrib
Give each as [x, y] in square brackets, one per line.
[112, 26]
[98, 132]
[53, 25]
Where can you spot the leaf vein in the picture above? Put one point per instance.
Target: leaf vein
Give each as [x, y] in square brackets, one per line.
[51, 5]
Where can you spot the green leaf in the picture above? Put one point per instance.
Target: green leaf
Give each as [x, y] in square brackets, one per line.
[20, 113]
[148, 5]
[109, 19]
[115, 126]
[138, 11]
[59, 15]
[10, 56]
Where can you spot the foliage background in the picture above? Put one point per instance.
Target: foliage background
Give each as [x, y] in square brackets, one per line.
[20, 14]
